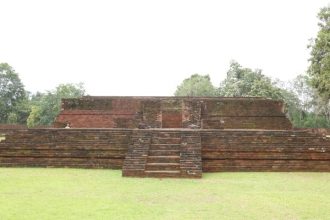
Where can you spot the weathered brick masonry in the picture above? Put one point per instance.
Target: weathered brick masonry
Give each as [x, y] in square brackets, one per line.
[242, 150]
[183, 152]
[173, 112]
[84, 148]
[11, 126]
[169, 137]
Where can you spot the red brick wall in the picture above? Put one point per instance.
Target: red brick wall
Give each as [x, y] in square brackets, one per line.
[222, 150]
[250, 122]
[158, 112]
[12, 126]
[264, 151]
[84, 148]
[320, 131]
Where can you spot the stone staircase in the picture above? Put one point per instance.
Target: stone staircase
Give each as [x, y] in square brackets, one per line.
[164, 154]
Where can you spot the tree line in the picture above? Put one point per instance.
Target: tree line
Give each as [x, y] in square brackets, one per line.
[307, 97]
[18, 106]
[304, 106]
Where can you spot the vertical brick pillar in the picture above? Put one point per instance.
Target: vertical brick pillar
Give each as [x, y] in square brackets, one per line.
[191, 154]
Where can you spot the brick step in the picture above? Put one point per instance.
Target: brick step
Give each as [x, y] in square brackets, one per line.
[277, 144]
[86, 134]
[163, 152]
[224, 133]
[268, 155]
[61, 165]
[68, 143]
[62, 162]
[258, 138]
[259, 132]
[162, 166]
[265, 165]
[165, 147]
[165, 140]
[166, 135]
[134, 167]
[239, 141]
[43, 146]
[270, 148]
[263, 146]
[61, 153]
[134, 160]
[163, 159]
[163, 173]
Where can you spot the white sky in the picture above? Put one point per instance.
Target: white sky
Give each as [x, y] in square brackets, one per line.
[148, 47]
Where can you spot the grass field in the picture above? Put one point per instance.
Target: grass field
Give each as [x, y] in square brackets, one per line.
[37, 193]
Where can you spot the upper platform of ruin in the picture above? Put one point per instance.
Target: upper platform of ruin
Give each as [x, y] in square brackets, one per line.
[173, 112]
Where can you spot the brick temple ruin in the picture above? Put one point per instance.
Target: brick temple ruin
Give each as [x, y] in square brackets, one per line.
[169, 137]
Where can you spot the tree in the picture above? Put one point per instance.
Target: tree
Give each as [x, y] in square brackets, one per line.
[301, 86]
[246, 82]
[319, 68]
[13, 97]
[309, 110]
[242, 82]
[196, 85]
[45, 107]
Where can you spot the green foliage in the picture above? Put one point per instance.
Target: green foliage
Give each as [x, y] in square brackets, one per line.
[45, 107]
[304, 107]
[309, 120]
[13, 97]
[310, 110]
[319, 68]
[196, 85]
[242, 82]
[292, 104]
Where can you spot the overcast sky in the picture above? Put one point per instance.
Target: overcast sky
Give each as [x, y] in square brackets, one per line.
[148, 47]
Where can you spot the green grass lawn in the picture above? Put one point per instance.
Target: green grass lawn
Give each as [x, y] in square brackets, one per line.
[38, 193]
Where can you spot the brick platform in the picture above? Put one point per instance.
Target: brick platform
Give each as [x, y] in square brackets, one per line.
[173, 112]
[169, 137]
[174, 150]
[82, 148]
